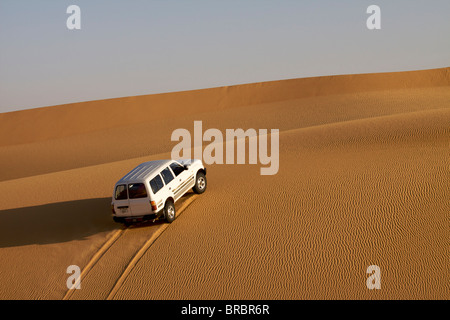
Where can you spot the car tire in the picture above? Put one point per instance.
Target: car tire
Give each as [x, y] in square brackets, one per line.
[200, 183]
[169, 211]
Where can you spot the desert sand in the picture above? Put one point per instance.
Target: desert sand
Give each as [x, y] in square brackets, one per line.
[363, 180]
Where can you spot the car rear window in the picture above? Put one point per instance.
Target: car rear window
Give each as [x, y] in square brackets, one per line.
[137, 190]
[156, 184]
[121, 192]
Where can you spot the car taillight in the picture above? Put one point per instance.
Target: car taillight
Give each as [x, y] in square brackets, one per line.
[154, 207]
[112, 209]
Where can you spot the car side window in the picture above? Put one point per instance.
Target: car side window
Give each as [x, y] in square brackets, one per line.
[176, 168]
[167, 175]
[121, 192]
[156, 184]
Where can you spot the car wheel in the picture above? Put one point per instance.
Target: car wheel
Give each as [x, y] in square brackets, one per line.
[127, 224]
[200, 183]
[169, 211]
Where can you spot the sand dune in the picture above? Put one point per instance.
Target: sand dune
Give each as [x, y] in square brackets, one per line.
[141, 140]
[362, 180]
[72, 119]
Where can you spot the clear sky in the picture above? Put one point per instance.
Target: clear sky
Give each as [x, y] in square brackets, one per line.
[136, 47]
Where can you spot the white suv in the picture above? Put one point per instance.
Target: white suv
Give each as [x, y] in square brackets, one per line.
[150, 190]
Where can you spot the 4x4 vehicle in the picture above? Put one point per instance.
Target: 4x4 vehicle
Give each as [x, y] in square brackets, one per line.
[150, 190]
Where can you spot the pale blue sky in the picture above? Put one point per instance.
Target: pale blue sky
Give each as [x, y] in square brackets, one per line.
[137, 47]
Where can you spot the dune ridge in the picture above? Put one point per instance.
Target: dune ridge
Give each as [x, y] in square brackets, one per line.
[139, 140]
[91, 116]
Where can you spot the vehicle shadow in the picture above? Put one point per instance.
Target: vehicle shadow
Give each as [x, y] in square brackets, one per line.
[56, 222]
[63, 221]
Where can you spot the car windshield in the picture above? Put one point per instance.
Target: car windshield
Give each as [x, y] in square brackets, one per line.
[137, 190]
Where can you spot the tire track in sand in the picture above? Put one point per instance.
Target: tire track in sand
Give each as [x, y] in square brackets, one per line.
[111, 264]
[97, 256]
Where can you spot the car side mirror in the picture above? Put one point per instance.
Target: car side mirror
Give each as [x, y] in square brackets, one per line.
[186, 167]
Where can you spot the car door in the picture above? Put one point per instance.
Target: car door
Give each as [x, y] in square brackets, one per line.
[159, 193]
[138, 199]
[170, 181]
[121, 202]
[184, 178]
